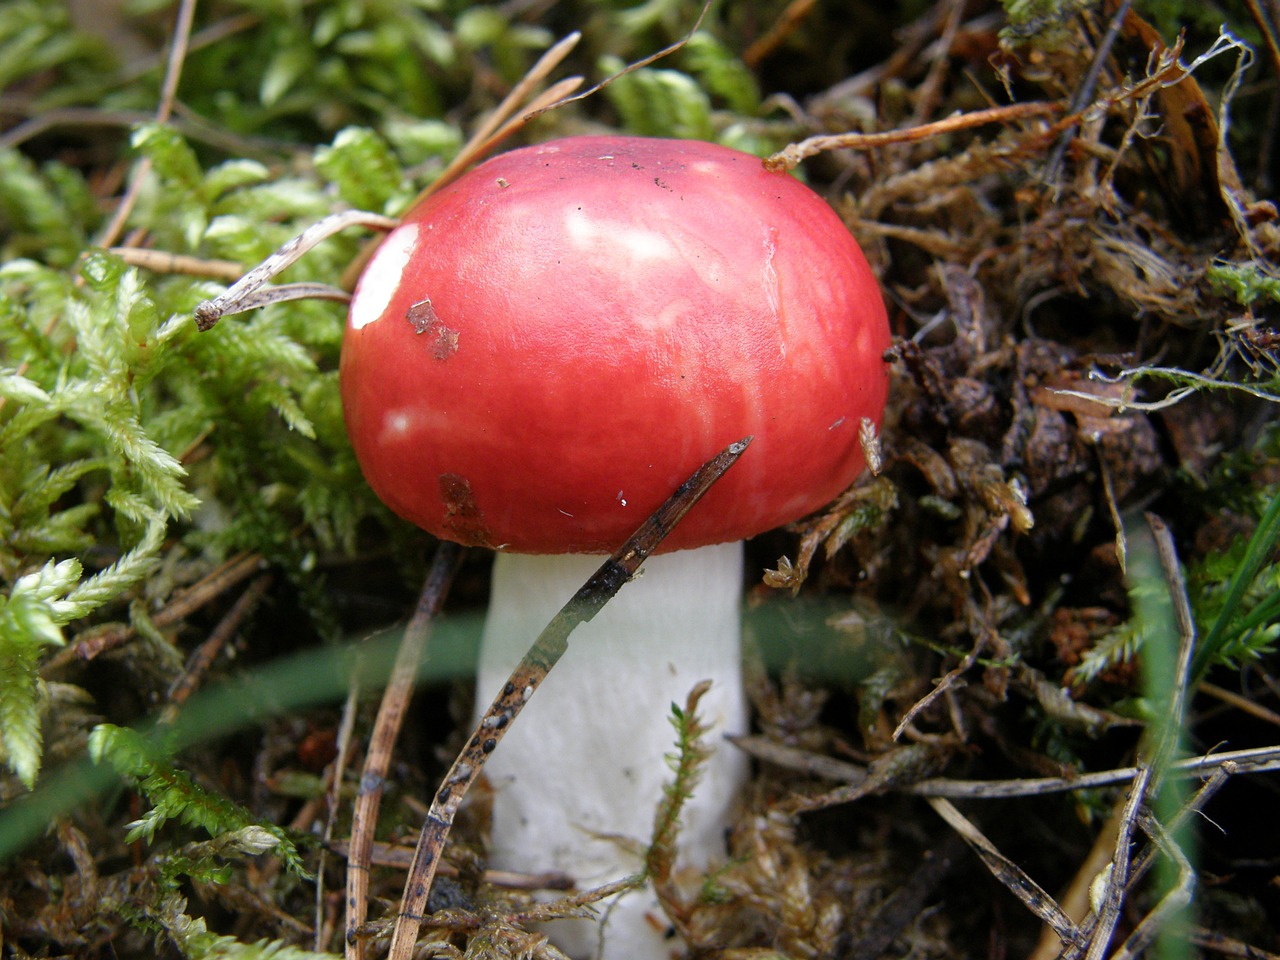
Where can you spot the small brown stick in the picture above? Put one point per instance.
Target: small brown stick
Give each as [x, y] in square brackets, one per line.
[1113, 508]
[790, 18]
[1175, 900]
[395, 700]
[1089, 871]
[161, 261]
[525, 679]
[1084, 94]
[556, 93]
[889, 771]
[1075, 896]
[791, 156]
[629, 68]
[169, 90]
[1228, 946]
[191, 127]
[523, 90]
[1100, 926]
[472, 151]
[325, 914]
[1186, 624]
[168, 94]
[70, 116]
[1143, 861]
[497, 125]
[1043, 906]
[1268, 31]
[1032, 895]
[1153, 768]
[928, 93]
[1253, 760]
[400, 857]
[1244, 704]
[816, 765]
[951, 678]
[501, 123]
[94, 642]
[200, 661]
[247, 292]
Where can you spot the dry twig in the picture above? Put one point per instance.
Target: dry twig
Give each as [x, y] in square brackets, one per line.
[96, 641]
[205, 654]
[395, 700]
[168, 94]
[1032, 895]
[790, 157]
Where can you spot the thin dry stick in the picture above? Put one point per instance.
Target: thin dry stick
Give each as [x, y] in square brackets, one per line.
[1074, 898]
[1113, 508]
[495, 127]
[1115, 881]
[629, 68]
[553, 95]
[1090, 869]
[473, 150]
[1007, 872]
[773, 38]
[1152, 769]
[1228, 946]
[887, 772]
[33, 126]
[182, 32]
[929, 92]
[395, 700]
[200, 661]
[1186, 625]
[92, 643]
[161, 261]
[1244, 704]
[525, 679]
[1253, 760]
[1143, 861]
[791, 156]
[400, 857]
[332, 801]
[946, 683]
[1170, 904]
[1083, 95]
[1268, 32]
[1180, 896]
[168, 93]
[503, 121]
[248, 292]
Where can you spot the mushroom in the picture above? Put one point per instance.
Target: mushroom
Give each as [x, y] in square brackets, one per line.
[535, 358]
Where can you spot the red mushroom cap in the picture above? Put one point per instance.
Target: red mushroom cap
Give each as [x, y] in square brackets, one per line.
[546, 348]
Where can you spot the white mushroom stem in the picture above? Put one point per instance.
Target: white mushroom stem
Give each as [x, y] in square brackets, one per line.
[579, 777]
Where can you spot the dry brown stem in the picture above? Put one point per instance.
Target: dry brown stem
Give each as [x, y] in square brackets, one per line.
[791, 157]
[395, 701]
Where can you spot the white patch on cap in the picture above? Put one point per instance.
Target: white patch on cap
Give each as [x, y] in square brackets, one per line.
[641, 245]
[396, 424]
[381, 277]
